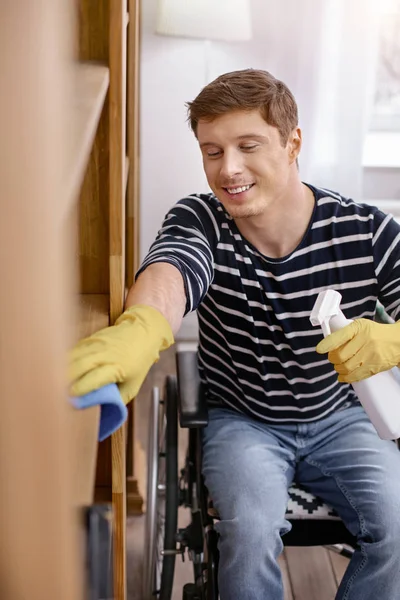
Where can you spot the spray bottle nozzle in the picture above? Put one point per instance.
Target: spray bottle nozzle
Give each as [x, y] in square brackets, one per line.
[326, 306]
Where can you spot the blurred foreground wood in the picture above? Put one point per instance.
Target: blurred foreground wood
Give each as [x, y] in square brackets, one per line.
[40, 551]
[68, 193]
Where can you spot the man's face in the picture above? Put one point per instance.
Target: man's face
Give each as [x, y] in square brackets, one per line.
[245, 163]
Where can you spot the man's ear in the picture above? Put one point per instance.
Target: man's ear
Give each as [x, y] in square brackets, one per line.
[294, 144]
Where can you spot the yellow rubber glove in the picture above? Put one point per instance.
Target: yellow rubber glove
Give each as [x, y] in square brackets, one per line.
[362, 349]
[122, 353]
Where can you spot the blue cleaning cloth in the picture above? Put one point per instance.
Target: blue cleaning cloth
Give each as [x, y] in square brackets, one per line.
[113, 411]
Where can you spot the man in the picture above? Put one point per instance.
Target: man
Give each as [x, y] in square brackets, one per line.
[252, 257]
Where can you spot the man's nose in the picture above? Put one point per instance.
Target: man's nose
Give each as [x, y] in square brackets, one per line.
[231, 165]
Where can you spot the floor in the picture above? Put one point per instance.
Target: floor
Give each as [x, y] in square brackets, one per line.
[309, 573]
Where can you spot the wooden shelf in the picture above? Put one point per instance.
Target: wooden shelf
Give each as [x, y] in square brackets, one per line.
[93, 313]
[91, 82]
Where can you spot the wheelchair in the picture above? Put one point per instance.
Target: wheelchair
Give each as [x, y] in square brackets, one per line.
[314, 523]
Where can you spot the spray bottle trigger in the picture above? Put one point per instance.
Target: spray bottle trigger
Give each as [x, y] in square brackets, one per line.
[326, 330]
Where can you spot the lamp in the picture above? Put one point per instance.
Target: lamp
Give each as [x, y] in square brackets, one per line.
[223, 20]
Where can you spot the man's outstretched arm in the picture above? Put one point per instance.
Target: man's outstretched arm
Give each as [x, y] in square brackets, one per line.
[124, 352]
[160, 286]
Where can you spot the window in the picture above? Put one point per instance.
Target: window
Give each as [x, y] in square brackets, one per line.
[386, 109]
[382, 142]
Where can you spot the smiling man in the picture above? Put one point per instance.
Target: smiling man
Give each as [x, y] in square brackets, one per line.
[254, 175]
[251, 257]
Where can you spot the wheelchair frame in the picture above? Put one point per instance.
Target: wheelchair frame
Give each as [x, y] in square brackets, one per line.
[184, 396]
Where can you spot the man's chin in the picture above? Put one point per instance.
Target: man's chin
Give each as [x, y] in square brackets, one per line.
[243, 211]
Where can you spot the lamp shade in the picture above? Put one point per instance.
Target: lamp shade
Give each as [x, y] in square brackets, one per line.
[223, 20]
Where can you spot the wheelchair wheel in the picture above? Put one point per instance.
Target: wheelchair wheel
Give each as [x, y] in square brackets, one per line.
[162, 495]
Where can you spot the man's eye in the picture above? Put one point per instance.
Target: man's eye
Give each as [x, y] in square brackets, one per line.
[249, 147]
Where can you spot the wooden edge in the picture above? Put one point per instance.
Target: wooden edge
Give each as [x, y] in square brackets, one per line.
[119, 507]
[117, 286]
[126, 172]
[90, 87]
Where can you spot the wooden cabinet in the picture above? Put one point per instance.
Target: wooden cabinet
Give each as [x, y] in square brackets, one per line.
[68, 235]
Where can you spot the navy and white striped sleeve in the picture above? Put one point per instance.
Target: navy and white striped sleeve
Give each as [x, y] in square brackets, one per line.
[187, 239]
[386, 249]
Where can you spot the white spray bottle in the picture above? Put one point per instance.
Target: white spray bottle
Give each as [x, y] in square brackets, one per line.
[380, 393]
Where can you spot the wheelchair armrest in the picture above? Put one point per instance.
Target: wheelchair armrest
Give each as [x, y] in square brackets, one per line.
[192, 406]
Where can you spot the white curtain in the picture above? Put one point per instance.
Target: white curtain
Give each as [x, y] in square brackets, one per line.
[342, 93]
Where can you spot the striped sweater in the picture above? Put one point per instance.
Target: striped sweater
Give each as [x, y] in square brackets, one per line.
[257, 345]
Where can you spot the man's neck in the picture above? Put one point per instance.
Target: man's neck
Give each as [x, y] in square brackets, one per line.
[281, 228]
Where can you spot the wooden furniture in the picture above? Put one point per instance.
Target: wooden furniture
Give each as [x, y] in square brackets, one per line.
[67, 163]
[107, 213]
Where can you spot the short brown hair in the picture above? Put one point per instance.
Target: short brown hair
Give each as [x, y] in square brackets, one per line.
[247, 90]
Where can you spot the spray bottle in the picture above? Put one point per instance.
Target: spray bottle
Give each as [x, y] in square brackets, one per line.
[378, 394]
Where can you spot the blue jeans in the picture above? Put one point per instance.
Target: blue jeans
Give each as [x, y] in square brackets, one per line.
[248, 467]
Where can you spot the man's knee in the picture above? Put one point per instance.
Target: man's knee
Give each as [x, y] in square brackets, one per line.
[252, 525]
